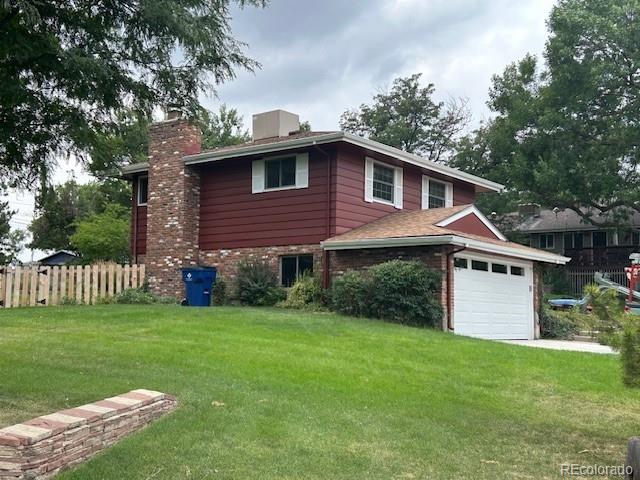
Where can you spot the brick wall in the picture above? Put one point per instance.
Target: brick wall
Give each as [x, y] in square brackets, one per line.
[173, 205]
[226, 261]
[434, 257]
[42, 447]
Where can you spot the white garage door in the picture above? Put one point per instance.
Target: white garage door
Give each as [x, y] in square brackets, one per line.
[493, 297]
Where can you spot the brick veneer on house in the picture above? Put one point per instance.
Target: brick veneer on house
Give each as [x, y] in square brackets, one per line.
[226, 261]
[43, 446]
[434, 257]
[173, 205]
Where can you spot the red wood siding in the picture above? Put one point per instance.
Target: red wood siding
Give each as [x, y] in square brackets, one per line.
[138, 223]
[349, 209]
[233, 217]
[471, 224]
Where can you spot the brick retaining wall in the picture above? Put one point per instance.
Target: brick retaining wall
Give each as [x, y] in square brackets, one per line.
[43, 446]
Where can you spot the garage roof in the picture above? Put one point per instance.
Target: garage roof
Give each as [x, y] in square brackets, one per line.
[428, 227]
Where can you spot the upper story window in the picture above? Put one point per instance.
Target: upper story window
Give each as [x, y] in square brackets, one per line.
[143, 190]
[547, 240]
[382, 183]
[599, 238]
[280, 173]
[573, 240]
[436, 193]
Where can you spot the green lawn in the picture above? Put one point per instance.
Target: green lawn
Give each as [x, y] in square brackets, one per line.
[315, 395]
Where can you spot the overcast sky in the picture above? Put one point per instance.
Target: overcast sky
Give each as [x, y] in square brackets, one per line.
[321, 57]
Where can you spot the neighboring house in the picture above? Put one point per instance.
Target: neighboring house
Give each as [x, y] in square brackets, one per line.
[591, 248]
[326, 202]
[567, 233]
[61, 257]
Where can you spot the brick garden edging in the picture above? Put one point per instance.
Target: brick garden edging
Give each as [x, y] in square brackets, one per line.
[43, 446]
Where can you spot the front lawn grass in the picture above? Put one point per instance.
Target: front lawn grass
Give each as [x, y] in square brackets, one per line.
[315, 395]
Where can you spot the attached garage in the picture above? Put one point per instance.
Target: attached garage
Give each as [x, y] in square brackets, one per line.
[487, 283]
[492, 297]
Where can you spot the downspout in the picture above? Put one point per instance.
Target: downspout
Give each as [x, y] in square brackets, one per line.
[134, 204]
[449, 281]
[325, 254]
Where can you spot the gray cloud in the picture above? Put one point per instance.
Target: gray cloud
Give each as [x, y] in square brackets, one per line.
[320, 58]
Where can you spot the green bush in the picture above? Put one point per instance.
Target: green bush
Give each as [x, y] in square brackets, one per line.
[257, 284]
[401, 291]
[629, 346]
[219, 292]
[348, 293]
[405, 292]
[306, 292]
[557, 324]
[139, 296]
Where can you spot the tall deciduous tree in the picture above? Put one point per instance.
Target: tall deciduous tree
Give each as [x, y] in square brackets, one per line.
[407, 117]
[568, 135]
[68, 69]
[11, 240]
[63, 206]
[129, 142]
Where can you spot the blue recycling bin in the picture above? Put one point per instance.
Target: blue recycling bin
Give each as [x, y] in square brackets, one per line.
[198, 282]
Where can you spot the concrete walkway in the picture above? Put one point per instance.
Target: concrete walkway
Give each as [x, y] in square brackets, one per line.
[568, 345]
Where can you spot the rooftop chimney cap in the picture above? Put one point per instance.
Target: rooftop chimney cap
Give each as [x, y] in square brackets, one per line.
[275, 123]
[173, 111]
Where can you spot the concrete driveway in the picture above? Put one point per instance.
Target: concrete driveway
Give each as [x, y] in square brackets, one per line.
[568, 345]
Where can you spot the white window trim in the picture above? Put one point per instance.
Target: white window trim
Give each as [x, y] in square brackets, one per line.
[553, 241]
[398, 189]
[448, 191]
[138, 202]
[258, 178]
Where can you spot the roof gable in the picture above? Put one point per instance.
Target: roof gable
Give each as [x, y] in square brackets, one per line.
[471, 220]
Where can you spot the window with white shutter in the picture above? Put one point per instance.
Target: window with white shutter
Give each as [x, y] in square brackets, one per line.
[280, 173]
[436, 193]
[383, 183]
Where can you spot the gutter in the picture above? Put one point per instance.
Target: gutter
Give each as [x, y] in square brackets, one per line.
[371, 145]
[449, 240]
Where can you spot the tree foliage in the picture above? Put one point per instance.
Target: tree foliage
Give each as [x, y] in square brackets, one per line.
[63, 206]
[103, 236]
[407, 117]
[11, 241]
[129, 142]
[567, 135]
[69, 69]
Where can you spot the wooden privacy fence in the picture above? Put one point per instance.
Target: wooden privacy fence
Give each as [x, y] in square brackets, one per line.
[81, 284]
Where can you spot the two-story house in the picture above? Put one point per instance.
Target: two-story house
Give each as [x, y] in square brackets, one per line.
[591, 247]
[327, 202]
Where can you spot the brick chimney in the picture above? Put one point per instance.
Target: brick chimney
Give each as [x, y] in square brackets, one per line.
[173, 204]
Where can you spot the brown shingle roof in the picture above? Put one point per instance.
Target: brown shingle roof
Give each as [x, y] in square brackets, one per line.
[417, 223]
[266, 141]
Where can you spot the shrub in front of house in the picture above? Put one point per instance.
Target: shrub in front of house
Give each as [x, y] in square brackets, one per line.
[349, 292]
[405, 292]
[400, 291]
[558, 324]
[219, 294]
[306, 292]
[257, 284]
